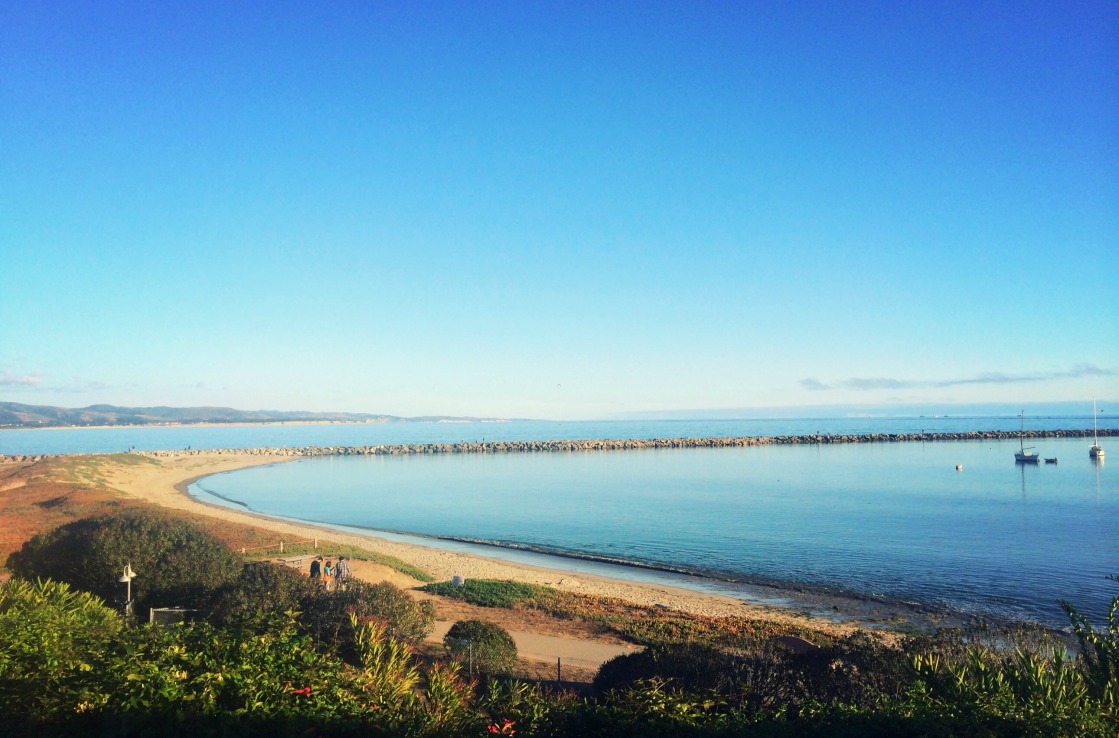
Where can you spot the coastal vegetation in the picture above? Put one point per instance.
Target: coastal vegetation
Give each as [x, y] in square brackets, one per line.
[485, 648]
[69, 664]
[179, 562]
[269, 652]
[43, 496]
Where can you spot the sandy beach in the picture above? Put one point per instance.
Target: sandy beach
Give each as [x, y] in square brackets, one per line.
[164, 482]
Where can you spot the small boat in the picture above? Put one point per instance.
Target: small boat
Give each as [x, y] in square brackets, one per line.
[1023, 456]
[1096, 451]
[1051, 461]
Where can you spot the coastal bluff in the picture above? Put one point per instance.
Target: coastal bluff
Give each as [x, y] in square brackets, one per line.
[625, 444]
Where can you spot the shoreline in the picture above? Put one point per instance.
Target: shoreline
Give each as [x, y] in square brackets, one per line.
[165, 483]
[692, 591]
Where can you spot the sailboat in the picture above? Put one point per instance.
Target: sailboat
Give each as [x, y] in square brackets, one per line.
[1096, 451]
[1023, 456]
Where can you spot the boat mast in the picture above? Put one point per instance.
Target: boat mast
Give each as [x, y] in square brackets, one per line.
[1095, 437]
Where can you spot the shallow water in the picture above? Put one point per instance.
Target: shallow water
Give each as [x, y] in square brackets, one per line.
[895, 521]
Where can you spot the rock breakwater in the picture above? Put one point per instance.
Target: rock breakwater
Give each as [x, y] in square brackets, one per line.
[602, 444]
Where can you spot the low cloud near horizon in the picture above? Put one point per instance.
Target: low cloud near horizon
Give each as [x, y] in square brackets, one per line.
[893, 383]
[20, 380]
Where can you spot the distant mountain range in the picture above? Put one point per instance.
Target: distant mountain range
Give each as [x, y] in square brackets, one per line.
[15, 415]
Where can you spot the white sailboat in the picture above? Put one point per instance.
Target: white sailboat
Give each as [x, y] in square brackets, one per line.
[1023, 456]
[1096, 451]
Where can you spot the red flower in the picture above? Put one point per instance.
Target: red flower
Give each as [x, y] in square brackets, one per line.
[506, 728]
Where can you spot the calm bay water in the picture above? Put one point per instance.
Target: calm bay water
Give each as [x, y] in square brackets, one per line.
[894, 521]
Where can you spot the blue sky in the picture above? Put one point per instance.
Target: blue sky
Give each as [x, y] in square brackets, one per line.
[558, 210]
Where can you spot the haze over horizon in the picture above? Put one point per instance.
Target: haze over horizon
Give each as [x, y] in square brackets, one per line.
[567, 211]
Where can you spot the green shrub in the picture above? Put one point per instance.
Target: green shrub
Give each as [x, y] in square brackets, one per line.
[1099, 652]
[52, 641]
[176, 563]
[484, 647]
[261, 592]
[328, 613]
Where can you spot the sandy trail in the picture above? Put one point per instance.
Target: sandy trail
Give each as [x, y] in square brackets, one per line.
[164, 481]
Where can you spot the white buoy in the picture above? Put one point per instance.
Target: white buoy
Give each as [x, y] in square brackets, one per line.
[959, 467]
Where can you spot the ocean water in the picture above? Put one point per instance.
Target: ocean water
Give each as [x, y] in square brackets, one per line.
[889, 521]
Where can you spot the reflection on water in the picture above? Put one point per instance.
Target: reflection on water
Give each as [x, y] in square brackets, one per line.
[889, 520]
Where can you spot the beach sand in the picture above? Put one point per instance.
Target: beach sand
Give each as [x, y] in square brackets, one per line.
[165, 479]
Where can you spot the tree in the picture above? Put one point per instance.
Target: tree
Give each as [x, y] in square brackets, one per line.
[487, 648]
[176, 563]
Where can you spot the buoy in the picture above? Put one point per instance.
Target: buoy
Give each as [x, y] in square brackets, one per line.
[959, 467]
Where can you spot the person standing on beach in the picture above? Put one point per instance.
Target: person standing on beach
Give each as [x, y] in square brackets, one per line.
[342, 572]
[316, 567]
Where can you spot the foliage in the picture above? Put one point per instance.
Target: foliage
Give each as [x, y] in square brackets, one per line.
[200, 670]
[86, 674]
[1099, 652]
[526, 708]
[485, 647]
[51, 640]
[265, 591]
[855, 671]
[176, 563]
[262, 591]
[490, 592]
[329, 613]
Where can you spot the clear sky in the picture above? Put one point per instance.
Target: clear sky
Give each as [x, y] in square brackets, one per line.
[558, 210]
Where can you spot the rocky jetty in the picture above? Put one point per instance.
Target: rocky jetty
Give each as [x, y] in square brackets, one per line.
[607, 444]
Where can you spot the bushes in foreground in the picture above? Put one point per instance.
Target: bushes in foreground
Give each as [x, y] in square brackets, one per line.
[96, 676]
[177, 563]
[264, 592]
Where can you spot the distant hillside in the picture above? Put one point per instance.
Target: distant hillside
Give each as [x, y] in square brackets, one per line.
[15, 415]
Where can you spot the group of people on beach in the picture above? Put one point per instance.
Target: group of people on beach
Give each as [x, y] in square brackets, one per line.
[330, 574]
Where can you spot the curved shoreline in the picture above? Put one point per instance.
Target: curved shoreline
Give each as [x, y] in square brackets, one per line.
[164, 482]
[835, 606]
[603, 444]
